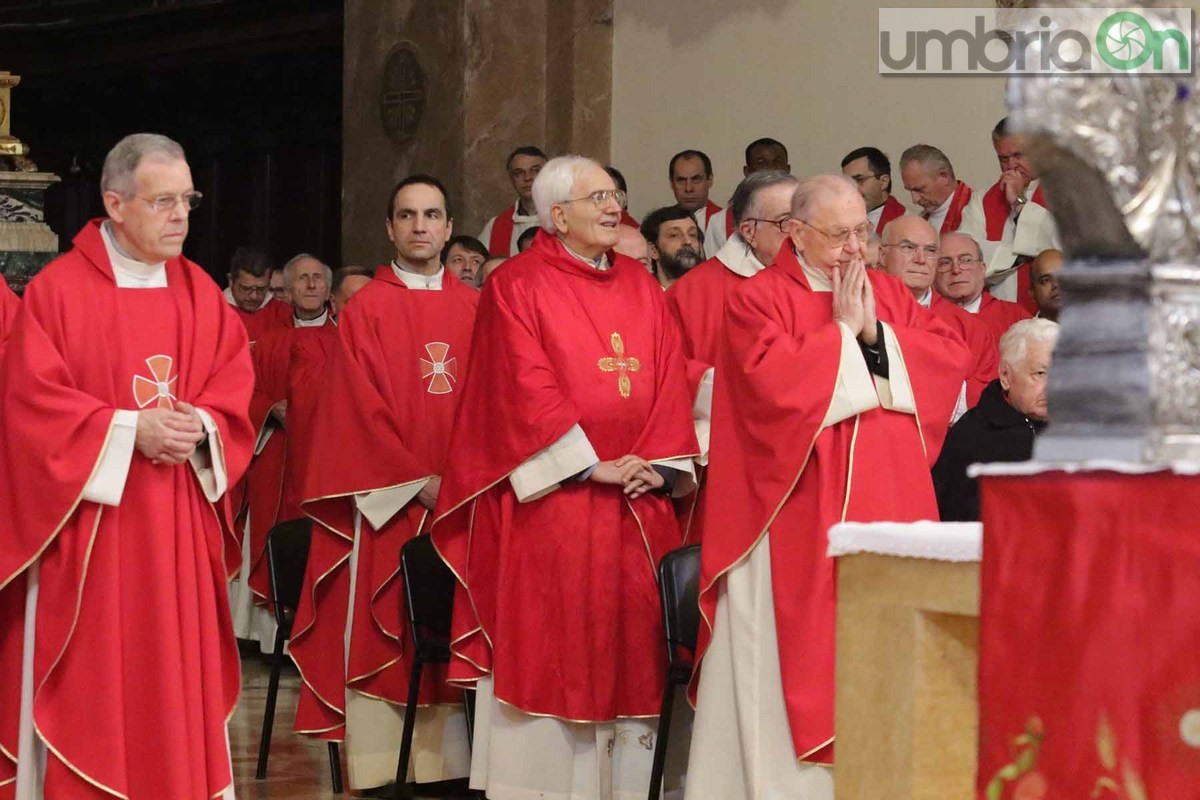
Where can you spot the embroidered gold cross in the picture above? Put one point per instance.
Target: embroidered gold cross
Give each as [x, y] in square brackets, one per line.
[622, 365]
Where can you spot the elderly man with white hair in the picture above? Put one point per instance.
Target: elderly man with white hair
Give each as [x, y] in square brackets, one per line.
[575, 430]
[834, 392]
[1002, 427]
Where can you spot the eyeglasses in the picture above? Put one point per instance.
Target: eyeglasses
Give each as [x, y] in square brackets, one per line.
[841, 238]
[910, 249]
[601, 198]
[252, 290]
[966, 261]
[166, 202]
[778, 223]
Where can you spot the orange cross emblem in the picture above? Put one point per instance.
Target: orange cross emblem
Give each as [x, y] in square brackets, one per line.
[442, 372]
[623, 365]
[159, 387]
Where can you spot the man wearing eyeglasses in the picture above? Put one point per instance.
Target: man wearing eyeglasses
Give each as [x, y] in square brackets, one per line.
[126, 379]
[249, 293]
[575, 431]
[762, 155]
[928, 176]
[960, 279]
[909, 251]
[833, 396]
[501, 232]
[1011, 221]
[383, 432]
[871, 171]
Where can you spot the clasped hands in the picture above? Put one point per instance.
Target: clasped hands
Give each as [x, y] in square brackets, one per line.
[632, 472]
[169, 436]
[1015, 182]
[854, 301]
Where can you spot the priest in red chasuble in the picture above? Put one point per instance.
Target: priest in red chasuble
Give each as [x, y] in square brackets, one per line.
[127, 381]
[269, 498]
[574, 431]
[834, 394]
[249, 294]
[383, 432]
[759, 206]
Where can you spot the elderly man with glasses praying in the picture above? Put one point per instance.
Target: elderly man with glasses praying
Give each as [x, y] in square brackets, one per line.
[826, 370]
[574, 431]
[960, 279]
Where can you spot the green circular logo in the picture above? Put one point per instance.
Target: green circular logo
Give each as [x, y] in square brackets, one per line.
[1125, 40]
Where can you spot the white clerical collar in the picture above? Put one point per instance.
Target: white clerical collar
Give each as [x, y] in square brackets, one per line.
[973, 306]
[926, 299]
[938, 216]
[738, 258]
[315, 322]
[128, 272]
[519, 217]
[597, 263]
[818, 281]
[415, 280]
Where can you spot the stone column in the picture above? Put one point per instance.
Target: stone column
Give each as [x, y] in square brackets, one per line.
[450, 88]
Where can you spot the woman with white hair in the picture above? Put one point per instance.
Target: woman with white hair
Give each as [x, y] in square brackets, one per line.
[574, 431]
[1011, 412]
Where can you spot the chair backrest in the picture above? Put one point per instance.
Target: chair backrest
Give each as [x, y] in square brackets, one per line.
[679, 589]
[287, 559]
[428, 591]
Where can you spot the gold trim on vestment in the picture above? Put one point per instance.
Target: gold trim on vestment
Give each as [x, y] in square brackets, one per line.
[318, 731]
[296, 634]
[400, 704]
[642, 533]
[819, 747]
[372, 673]
[70, 512]
[850, 469]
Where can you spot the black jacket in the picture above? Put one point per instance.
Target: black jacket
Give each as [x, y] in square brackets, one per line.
[991, 431]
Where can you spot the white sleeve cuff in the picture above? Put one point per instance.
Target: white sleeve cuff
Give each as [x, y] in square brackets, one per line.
[702, 415]
[854, 391]
[895, 391]
[380, 506]
[208, 462]
[546, 469]
[107, 484]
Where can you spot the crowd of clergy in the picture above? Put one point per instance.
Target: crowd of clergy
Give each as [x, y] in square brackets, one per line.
[558, 403]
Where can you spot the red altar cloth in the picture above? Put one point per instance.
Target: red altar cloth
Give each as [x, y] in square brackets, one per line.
[1089, 667]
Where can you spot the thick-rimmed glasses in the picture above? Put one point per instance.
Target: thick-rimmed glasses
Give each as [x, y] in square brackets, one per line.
[778, 223]
[841, 238]
[966, 261]
[166, 202]
[601, 198]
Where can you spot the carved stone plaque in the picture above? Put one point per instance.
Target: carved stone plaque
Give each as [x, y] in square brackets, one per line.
[402, 93]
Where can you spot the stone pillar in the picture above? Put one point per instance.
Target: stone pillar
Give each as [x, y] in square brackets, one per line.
[450, 88]
[26, 242]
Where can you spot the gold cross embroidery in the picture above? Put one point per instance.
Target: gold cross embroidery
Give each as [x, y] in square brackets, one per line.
[622, 365]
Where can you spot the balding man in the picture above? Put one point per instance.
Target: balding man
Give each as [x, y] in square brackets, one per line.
[909, 252]
[960, 279]
[1011, 220]
[762, 155]
[347, 281]
[249, 292]
[871, 171]
[630, 242]
[928, 176]
[1043, 284]
[826, 369]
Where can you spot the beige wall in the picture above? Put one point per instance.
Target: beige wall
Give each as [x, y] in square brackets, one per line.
[717, 74]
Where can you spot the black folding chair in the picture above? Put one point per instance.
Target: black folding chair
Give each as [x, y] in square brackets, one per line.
[287, 558]
[679, 590]
[429, 597]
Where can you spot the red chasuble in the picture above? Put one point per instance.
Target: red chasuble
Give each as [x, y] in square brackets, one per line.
[985, 352]
[953, 218]
[1000, 315]
[265, 484]
[560, 601]
[385, 419]
[312, 350]
[774, 467]
[274, 314]
[996, 211]
[892, 209]
[500, 243]
[135, 663]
